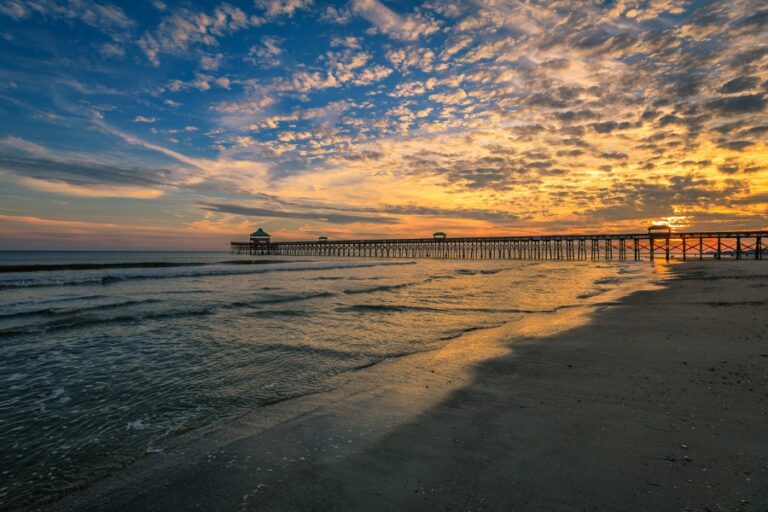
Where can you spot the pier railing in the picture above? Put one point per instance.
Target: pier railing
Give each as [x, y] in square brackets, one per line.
[634, 246]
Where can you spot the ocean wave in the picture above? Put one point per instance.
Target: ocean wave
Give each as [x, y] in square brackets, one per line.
[629, 270]
[4, 269]
[382, 288]
[258, 262]
[394, 308]
[78, 317]
[399, 286]
[468, 272]
[80, 321]
[592, 293]
[608, 280]
[57, 300]
[280, 299]
[385, 308]
[280, 313]
[68, 311]
[55, 267]
[183, 292]
[300, 348]
[115, 278]
[457, 333]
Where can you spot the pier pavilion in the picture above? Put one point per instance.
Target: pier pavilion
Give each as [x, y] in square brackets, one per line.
[260, 237]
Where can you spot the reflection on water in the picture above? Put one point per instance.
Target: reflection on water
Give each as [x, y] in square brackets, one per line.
[104, 357]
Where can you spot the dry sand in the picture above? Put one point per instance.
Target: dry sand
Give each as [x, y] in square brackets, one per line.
[658, 401]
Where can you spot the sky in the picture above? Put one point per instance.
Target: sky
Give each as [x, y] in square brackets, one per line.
[154, 124]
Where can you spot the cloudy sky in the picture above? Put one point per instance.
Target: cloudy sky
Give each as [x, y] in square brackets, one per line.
[158, 124]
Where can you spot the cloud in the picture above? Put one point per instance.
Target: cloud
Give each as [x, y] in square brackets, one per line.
[267, 54]
[109, 19]
[386, 214]
[211, 62]
[343, 68]
[25, 219]
[142, 119]
[515, 16]
[743, 104]
[318, 215]
[201, 82]
[86, 179]
[413, 88]
[276, 8]
[15, 9]
[326, 113]
[740, 84]
[83, 173]
[449, 97]
[460, 213]
[412, 57]
[109, 50]
[610, 126]
[388, 22]
[372, 74]
[636, 199]
[185, 29]
[92, 191]
[337, 15]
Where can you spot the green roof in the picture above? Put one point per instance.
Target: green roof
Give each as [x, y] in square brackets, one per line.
[259, 233]
[439, 233]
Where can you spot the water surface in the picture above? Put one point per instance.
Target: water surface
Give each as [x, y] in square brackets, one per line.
[105, 357]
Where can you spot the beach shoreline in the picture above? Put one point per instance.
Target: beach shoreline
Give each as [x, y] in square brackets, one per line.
[591, 409]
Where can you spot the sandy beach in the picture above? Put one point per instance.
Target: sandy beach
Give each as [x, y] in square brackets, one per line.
[655, 401]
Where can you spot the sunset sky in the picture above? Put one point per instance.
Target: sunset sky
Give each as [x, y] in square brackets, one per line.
[158, 124]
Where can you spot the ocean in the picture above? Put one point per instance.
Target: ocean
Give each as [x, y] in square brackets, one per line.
[108, 356]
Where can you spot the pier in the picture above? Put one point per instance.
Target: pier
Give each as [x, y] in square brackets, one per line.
[619, 247]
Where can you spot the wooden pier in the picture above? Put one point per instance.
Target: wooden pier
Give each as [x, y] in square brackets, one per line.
[619, 247]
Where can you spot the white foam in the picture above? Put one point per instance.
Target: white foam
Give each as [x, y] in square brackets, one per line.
[136, 425]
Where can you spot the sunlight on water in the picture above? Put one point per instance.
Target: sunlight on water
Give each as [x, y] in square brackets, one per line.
[105, 357]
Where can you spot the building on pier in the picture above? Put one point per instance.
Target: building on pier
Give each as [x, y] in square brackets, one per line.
[260, 237]
[439, 234]
[659, 229]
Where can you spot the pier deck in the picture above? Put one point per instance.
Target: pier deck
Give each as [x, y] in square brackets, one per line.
[620, 247]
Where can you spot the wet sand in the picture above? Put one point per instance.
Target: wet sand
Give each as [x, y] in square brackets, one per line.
[657, 401]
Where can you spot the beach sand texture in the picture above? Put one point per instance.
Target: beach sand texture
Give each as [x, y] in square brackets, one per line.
[656, 401]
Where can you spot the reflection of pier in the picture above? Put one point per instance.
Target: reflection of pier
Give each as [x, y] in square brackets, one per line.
[641, 246]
